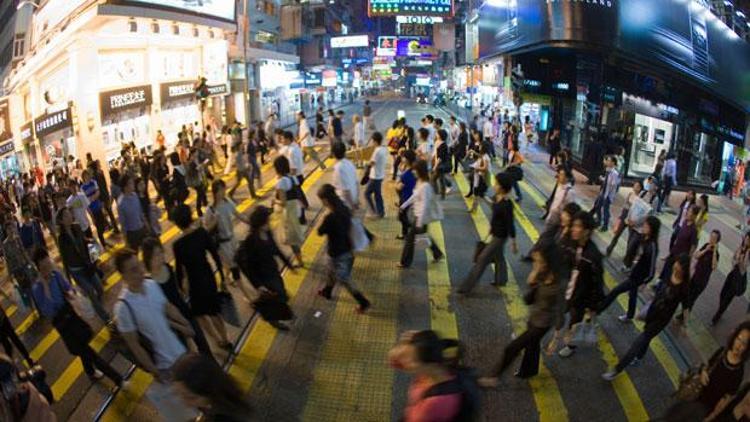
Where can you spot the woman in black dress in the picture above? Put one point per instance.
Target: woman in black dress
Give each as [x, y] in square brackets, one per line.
[190, 252]
[163, 274]
[736, 281]
[706, 261]
[725, 370]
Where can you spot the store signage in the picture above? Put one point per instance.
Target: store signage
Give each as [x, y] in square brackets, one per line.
[532, 83]
[175, 91]
[350, 41]
[425, 20]
[221, 9]
[727, 131]
[5, 120]
[52, 122]
[312, 79]
[414, 47]
[561, 86]
[27, 132]
[386, 46]
[414, 29]
[112, 102]
[214, 90]
[359, 60]
[329, 78]
[6, 148]
[410, 7]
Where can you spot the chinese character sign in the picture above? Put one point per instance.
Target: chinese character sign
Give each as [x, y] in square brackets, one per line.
[410, 7]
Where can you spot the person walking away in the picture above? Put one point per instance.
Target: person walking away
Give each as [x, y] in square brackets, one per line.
[195, 178]
[178, 190]
[481, 170]
[668, 181]
[706, 262]
[131, 215]
[725, 370]
[287, 201]
[142, 310]
[252, 159]
[91, 189]
[623, 220]
[441, 164]
[553, 146]
[293, 154]
[219, 223]
[644, 269]
[679, 221]
[306, 140]
[607, 193]
[460, 147]
[366, 113]
[336, 226]
[546, 311]
[256, 257]
[239, 154]
[425, 209]
[190, 253]
[736, 282]
[502, 228]
[684, 244]
[585, 290]
[488, 134]
[337, 127]
[18, 263]
[76, 260]
[516, 160]
[358, 139]
[406, 183]
[52, 295]
[378, 162]
[163, 274]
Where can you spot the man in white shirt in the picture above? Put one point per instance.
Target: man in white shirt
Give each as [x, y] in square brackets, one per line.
[454, 130]
[78, 203]
[424, 148]
[293, 153]
[668, 181]
[608, 192]
[427, 123]
[345, 177]
[306, 140]
[378, 163]
[488, 130]
[143, 310]
[358, 141]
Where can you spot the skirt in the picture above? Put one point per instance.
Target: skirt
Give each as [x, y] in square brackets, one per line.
[293, 235]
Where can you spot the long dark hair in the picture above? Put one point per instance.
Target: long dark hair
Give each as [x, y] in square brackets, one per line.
[745, 325]
[328, 194]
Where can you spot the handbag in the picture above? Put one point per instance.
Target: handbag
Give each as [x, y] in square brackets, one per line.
[271, 308]
[690, 384]
[529, 296]
[643, 312]
[585, 333]
[358, 236]
[421, 241]
[229, 309]
[366, 176]
[80, 304]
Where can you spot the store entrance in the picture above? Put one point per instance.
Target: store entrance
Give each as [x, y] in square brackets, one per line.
[651, 136]
[704, 159]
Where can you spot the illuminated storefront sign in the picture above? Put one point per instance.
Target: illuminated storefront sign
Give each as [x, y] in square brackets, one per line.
[176, 91]
[387, 46]
[112, 102]
[425, 20]
[350, 41]
[6, 148]
[329, 78]
[410, 7]
[27, 132]
[52, 122]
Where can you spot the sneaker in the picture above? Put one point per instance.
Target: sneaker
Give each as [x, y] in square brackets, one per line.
[448, 191]
[97, 375]
[625, 319]
[566, 352]
[610, 375]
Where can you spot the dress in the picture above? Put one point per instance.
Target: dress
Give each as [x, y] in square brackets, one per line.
[700, 277]
[190, 253]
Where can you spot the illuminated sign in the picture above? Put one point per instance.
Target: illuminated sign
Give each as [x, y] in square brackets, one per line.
[414, 29]
[561, 86]
[350, 41]
[329, 78]
[410, 7]
[222, 9]
[52, 122]
[6, 148]
[386, 46]
[123, 99]
[425, 20]
[414, 47]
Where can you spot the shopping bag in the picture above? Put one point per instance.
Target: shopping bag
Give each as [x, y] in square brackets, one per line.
[81, 305]
[639, 210]
[584, 334]
[229, 309]
[421, 241]
[95, 251]
[643, 312]
[358, 236]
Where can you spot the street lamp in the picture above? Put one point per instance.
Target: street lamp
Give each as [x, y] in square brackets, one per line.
[23, 3]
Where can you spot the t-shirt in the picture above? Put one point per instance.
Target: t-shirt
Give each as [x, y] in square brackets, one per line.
[78, 202]
[224, 214]
[293, 153]
[150, 320]
[409, 181]
[305, 138]
[336, 226]
[338, 130]
[379, 160]
[345, 179]
[90, 188]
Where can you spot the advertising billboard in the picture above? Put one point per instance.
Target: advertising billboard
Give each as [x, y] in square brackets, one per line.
[221, 9]
[682, 36]
[350, 41]
[410, 7]
[414, 47]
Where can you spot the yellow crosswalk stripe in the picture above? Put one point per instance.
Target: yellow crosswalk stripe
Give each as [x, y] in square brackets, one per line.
[544, 387]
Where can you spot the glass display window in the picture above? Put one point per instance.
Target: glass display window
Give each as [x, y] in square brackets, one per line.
[651, 136]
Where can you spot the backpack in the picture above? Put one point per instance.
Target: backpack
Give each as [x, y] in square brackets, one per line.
[466, 384]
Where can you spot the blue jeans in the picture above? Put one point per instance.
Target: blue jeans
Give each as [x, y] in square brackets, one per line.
[91, 285]
[374, 188]
[602, 212]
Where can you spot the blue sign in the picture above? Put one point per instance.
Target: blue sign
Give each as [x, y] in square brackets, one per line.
[358, 60]
[312, 79]
[410, 8]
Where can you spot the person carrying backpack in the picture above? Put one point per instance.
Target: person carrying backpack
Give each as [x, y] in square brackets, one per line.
[441, 390]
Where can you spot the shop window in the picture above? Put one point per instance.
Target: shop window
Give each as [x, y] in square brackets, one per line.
[319, 18]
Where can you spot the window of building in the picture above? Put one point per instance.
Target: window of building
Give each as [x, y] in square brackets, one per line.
[155, 27]
[175, 29]
[132, 26]
[265, 37]
[210, 34]
[19, 46]
[196, 33]
[319, 18]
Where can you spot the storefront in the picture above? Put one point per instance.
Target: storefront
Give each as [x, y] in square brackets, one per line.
[215, 106]
[126, 118]
[178, 107]
[8, 160]
[275, 94]
[56, 138]
[26, 136]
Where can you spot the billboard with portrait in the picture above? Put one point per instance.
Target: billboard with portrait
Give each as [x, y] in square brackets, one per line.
[682, 36]
[220, 9]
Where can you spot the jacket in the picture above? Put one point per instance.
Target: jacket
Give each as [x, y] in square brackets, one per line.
[665, 303]
[73, 248]
[256, 257]
[426, 209]
[586, 289]
[645, 265]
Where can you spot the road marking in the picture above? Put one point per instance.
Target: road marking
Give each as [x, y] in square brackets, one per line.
[547, 397]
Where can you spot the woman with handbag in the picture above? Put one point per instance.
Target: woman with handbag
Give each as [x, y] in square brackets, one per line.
[287, 200]
[725, 370]
[256, 257]
[624, 221]
[546, 301]
[657, 316]
[425, 210]
[706, 262]
[502, 228]
[52, 294]
[481, 170]
[441, 164]
[76, 260]
[736, 281]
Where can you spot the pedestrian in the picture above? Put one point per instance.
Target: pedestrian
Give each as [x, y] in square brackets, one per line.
[366, 113]
[195, 177]
[407, 181]
[481, 170]
[688, 202]
[219, 223]
[18, 262]
[706, 262]
[736, 282]
[553, 146]
[337, 127]
[287, 200]
[585, 289]
[644, 269]
[203, 385]
[735, 409]
[178, 190]
[668, 179]
[460, 146]
[502, 228]
[9, 338]
[564, 195]
[143, 312]
[376, 168]
[336, 226]
[78, 204]
[131, 214]
[252, 159]
[425, 210]
[239, 153]
[441, 164]
[515, 161]
[684, 244]
[345, 177]
[607, 193]
[164, 275]
[657, 316]
[256, 257]
[306, 140]
[293, 154]
[191, 263]
[623, 220]
[701, 218]
[30, 233]
[725, 370]
[546, 301]
[358, 140]
[74, 251]
[20, 400]
[52, 293]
